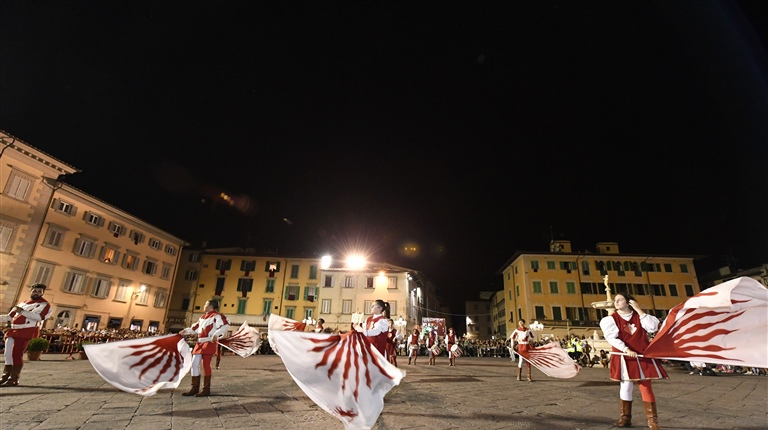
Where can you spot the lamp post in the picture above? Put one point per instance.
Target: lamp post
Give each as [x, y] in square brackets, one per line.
[309, 321]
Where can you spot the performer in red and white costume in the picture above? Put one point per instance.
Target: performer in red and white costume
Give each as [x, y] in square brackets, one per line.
[393, 339]
[524, 338]
[26, 319]
[209, 328]
[450, 340]
[412, 344]
[376, 327]
[431, 342]
[627, 332]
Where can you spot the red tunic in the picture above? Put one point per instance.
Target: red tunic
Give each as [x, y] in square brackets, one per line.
[378, 340]
[28, 328]
[633, 369]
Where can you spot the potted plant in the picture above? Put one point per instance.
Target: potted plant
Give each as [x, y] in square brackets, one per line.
[37, 347]
[81, 350]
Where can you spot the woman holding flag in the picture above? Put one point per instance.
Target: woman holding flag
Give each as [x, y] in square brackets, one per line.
[627, 331]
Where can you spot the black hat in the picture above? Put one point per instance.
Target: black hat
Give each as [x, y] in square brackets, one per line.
[38, 285]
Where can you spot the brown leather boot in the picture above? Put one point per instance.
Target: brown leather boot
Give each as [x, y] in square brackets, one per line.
[6, 373]
[195, 387]
[625, 420]
[519, 373]
[13, 380]
[206, 391]
[650, 413]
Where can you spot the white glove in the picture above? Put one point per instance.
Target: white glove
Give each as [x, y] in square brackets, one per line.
[187, 332]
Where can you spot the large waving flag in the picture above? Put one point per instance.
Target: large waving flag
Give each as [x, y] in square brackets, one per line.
[725, 324]
[244, 342]
[342, 373]
[142, 366]
[552, 359]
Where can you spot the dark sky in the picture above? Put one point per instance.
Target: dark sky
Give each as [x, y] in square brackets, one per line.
[472, 129]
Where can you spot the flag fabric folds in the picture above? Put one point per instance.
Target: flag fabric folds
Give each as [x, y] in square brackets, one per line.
[344, 374]
[552, 359]
[244, 342]
[725, 324]
[142, 366]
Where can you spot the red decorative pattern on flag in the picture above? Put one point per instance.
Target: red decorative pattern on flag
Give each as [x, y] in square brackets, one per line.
[244, 342]
[552, 359]
[342, 373]
[725, 324]
[142, 366]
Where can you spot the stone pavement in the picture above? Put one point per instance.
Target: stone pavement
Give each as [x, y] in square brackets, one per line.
[257, 392]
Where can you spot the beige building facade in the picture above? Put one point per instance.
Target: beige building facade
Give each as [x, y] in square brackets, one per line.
[104, 267]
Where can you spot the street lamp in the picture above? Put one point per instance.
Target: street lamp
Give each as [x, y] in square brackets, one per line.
[309, 321]
[131, 299]
[537, 326]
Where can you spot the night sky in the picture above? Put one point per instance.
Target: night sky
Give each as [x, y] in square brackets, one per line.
[470, 129]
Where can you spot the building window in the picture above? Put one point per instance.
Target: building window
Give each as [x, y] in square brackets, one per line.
[310, 293]
[247, 266]
[219, 289]
[292, 292]
[557, 313]
[154, 243]
[667, 267]
[267, 309]
[313, 271]
[550, 265]
[349, 281]
[346, 307]
[367, 307]
[393, 307]
[109, 254]
[123, 292]
[294, 271]
[160, 297]
[535, 265]
[553, 289]
[54, 236]
[309, 313]
[658, 290]
[116, 229]
[683, 268]
[93, 219]
[190, 275]
[64, 207]
[537, 287]
[673, 290]
[370, 281]
[18, 185]
[325, 308]
[539, 312]
[194, 257]
[170, 250]
[392, 283]
[142, 296]
[101, 287]
[245, 284]
[75, 282]
[85, 247]
[150, 267]
[570, 287]
[130, 261]
[7, 231]
[689, 290]
[270, 286]
[327, 281]
[165, 273]
[290, 311]
[43, 273]
[241, 305]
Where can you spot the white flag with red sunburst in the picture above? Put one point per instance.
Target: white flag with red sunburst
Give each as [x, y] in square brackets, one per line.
[342, 373]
